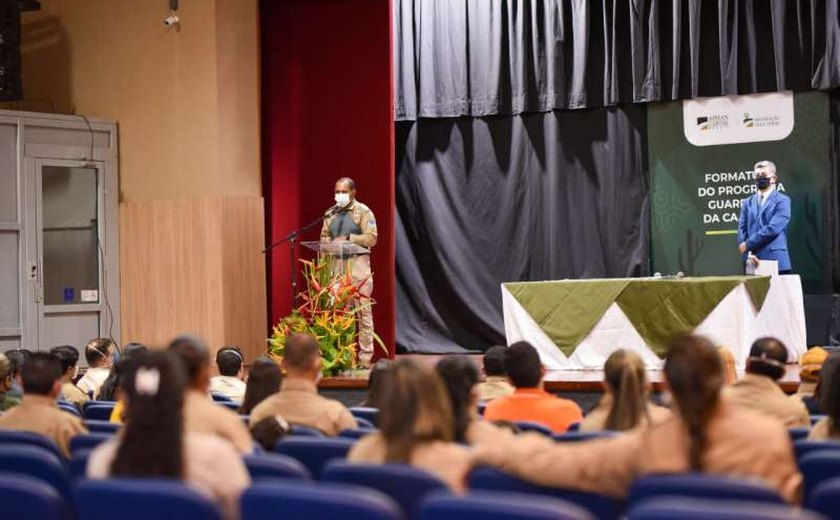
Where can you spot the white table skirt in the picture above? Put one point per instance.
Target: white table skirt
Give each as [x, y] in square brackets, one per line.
[733, 323]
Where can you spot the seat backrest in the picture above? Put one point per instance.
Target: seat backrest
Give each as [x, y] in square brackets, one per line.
[141, 499]
[817, 418]
[356, 433]
[70, 408]
[697, 485]
[314, 452]
[366, 412]
[37, 463]
[274, 465]
[78, 464]
[92, 402]
[600, 506]
[574, 427]
[220, 398]
[99, 412]
[88, 441]
[825, 497]
[305, 431]
[529, 426]
[27, 497]
[364, 423]
[32, 439]
[802, 448]
[582, 436]
[408, 486]
[305, 499]
[95, 426]
[818, 466]
[798, 433]
[498, 506]
[668, 508]
[230, 405]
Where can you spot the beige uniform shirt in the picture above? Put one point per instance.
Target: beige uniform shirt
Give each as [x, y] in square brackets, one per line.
[447, 461]
[73, 394]
[597, 418]
[363, 217]
[493, 387]
[763, 395]
[202, 415]
[93, 379]
[40, 414]
[299, 403]
[739, 443]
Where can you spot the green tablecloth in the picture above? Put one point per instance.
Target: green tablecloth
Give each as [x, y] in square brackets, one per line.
[659, 309]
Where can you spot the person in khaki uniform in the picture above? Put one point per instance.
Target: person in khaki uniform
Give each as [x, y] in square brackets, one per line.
[68, 357]
[201, 414]
[705, 434]
[298, 401]
[757, 390]
[354, 222]
[38, 411]
[496, 384]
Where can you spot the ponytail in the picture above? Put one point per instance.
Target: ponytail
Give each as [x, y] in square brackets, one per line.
[625, 375]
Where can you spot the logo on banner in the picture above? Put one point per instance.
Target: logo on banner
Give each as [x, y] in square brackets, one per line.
[714, 121]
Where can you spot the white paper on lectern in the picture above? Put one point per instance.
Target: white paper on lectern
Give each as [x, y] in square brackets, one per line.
[767, 268]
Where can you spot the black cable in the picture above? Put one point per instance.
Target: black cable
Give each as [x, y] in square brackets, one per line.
[90, 130]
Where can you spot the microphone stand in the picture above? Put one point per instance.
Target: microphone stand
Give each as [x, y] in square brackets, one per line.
[292, 238]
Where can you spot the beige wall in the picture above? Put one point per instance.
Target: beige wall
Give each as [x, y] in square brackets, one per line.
[187, 103]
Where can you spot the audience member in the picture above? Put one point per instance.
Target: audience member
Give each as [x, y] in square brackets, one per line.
[375, 395]
[17, 357]
[201, 414]
[705, 434]
[730, 374]
[828, 400]
[416, 427]
[298, 400]
[68, 357]
[625, 404]
[99, 354]
[758, 390]
[460, 380]
[111, 389]
[269, 431]
[231, 365]
[530, 402]
[812, 367]
[263, 381]
[496, 383]
[154, 442]
[38, 411]
[6, 401]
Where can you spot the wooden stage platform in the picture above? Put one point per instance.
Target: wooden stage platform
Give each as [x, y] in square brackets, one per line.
[555, 380]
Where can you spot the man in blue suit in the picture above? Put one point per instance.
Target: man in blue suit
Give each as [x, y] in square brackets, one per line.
[762, 228]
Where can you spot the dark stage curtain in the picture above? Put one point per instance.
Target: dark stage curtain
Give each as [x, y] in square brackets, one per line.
[490, 57]
[481, 201]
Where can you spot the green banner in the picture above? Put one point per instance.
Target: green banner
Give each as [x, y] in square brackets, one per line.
[702, 154]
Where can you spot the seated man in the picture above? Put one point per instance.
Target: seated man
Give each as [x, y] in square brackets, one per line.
[496, 384]
[99, 354]
[298, 400]
[530, 402]
[16, 359]
[229, 382]
[201, 414]
[38, 411]
[68, 357]
[758, 389]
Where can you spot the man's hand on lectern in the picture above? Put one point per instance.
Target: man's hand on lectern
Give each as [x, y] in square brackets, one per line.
[742, 247]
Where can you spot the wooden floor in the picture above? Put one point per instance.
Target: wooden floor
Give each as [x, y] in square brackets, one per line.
[555, 380]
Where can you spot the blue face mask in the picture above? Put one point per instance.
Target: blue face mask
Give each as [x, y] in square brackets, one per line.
[762, 183]
[116, 356]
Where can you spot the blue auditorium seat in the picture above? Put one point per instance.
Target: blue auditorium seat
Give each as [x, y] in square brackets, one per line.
[578, 436]
[89, 441]
[798, 433]
[36, 463]
[230, 405]
[405, 484]
[98, 410]
[305, 431]
[697, 485]
[26, 497]
[314, 452]
[818, 466]
[141, 499]
[364, 423]
[220, 398]
[302, 500]
[804, 447]
[600, 506]
[817, 418]
[356, 433]
[528, 426]
[78, 464]
[274, 465]
[366, 412]
[499, 506]
[669, 508]
[68, 407]
[481, 408]
[94, 426]
[31, 439]
[574, 427]
[825, 498]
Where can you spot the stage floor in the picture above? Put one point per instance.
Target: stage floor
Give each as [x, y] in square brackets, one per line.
[555, 380]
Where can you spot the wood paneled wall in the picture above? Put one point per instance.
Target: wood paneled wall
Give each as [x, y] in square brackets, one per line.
[194, 265]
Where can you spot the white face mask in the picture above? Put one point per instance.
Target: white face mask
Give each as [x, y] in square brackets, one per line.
[342, 199]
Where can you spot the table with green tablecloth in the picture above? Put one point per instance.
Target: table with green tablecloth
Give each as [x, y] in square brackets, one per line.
[576, 324]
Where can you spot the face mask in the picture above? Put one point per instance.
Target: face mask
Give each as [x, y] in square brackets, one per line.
[342, 199]
[762, 183]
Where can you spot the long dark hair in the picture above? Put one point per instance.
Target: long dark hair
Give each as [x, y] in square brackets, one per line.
[152, 443]
[375, 393]
[828, 392]
[459, 376]
[114, 381]
[694, 373]
[263, 380]
[624, 373]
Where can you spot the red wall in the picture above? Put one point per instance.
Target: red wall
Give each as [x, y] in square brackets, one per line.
[327, 108]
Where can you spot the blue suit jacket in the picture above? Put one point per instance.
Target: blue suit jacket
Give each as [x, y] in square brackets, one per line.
[764, 228]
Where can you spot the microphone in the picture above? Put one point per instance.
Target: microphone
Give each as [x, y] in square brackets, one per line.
[336, 208]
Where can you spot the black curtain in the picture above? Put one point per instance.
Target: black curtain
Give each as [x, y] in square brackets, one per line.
[481, 201]
[488, 57]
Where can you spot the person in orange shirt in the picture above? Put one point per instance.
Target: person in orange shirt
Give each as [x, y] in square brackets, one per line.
[530, 402]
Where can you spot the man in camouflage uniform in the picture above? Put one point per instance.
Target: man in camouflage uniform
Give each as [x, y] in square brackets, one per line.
[354, 222]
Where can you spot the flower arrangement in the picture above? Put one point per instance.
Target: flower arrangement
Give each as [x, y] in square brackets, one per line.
[328, 312]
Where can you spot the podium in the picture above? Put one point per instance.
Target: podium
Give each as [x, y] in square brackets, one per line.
[341, 249]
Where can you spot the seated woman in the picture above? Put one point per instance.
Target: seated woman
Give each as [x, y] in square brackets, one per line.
[375, 395]
[827, 395]
[153, 443]
[460, 379]
[416, 427]
[625, 404]
[705, 434]
[264, 380]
